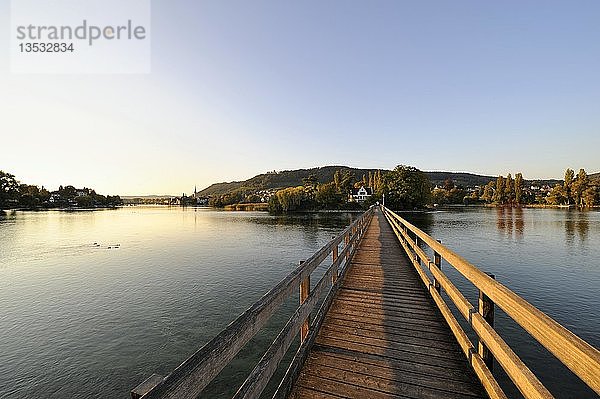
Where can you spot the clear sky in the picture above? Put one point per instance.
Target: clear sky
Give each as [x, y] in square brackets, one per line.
[243, 87]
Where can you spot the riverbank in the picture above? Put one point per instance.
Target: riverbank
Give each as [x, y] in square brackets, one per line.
[261, 206]
[38, 209]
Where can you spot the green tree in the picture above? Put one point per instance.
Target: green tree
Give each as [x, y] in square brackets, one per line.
[509, 189]
[29, 196]
[557, 196]
[85, 201]
[292, 199]
[579, 186]
[327, 196]
[378, 182]
[347, 183]
[518, 188]
[590, 196]
[439, 196]
[488, 192]
[337, 180]
[448, 184]
[457, 195]
[499, 196]
[406, 187]
[9, 190]
[569, 175]
[310, 181]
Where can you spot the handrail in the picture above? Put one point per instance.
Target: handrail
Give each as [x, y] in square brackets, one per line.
[190, 378]
[579, 356]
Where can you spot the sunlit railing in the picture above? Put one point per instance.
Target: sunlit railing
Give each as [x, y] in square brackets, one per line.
[580, 357]
[194, 374]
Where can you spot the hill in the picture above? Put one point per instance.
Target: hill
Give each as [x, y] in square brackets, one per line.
[459, 178]
[291, 178]
[286, 178]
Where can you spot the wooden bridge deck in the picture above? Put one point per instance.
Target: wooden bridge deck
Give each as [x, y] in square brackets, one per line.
[383, 336]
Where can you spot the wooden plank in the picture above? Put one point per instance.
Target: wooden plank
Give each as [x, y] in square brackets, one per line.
[344, 390]
[308, 393]
[579, 356]
[520, 374]
[414, 338]
[286, 385]
[392, 329]
[383, 336]
[405, 385]
[433, 372]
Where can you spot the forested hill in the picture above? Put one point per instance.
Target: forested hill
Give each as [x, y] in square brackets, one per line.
[291, 178]
[459, 178]
[286, 178]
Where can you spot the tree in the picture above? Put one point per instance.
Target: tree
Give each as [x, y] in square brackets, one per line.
[499, 196]
[9, 190]
[456, 195]
[347, 183]
[590, 196]
[518, 188]
[378, 182]
[310, 181]
[579, 186]
[439, 196]
[509, 189]
[448, 184]
[406, 187]
[569, 175]
[488, 192]
[557, 196]
[327, 196]
[337, 180]
[29, 196]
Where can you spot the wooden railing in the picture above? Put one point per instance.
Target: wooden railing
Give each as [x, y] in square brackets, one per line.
[580, 357]
[193, 375]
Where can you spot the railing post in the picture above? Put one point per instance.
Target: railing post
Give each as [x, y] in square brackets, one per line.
[146, 386]
[486, 310]
[437, 260]
[304, 292]
[334, 256]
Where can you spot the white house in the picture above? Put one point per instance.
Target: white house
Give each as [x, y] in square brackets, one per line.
[361, 194]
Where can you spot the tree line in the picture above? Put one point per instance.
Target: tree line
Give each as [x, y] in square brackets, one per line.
[577, 190]
[405, 187]
[14, 194]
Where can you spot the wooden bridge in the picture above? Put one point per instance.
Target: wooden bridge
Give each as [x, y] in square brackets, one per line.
[383, 329]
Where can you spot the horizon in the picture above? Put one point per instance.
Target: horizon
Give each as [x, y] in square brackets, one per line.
[201, 188]
[237, 89]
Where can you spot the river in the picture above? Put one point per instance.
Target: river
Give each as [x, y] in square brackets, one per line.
[93, 302]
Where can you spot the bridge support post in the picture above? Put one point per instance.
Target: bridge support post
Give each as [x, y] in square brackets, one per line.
[486, 310]
[304, 292]
[437, 260]
[334, 273]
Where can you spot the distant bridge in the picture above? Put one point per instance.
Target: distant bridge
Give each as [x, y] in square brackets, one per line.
[383, 329]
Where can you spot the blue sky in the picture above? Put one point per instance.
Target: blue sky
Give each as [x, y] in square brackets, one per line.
[240, 88]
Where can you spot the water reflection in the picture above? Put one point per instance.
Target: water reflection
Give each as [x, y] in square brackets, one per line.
[510, 221]
[577, 224]
[423, 220]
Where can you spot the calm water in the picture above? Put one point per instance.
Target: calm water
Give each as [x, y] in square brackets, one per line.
[80, 319]
[550, 257]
